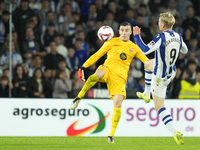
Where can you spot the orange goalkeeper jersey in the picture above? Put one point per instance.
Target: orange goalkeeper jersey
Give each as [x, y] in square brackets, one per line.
[119, 56]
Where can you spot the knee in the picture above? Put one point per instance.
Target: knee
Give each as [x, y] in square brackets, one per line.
[145, 65]
[118, 101]
[148, 65]
[99, 74]
[93, 78]
[118, 104]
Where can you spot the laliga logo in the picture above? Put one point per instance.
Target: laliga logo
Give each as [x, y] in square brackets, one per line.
[96, 127]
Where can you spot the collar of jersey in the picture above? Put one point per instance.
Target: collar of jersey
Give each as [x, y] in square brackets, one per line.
[171, 32]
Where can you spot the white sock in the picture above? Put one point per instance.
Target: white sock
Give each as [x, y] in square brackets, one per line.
[167, 120]
[148, 76]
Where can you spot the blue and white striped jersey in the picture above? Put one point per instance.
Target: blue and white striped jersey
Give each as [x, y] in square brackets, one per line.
[16, 59]
[167, 46]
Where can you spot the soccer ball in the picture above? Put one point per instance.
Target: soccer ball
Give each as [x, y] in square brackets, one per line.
[105, 33]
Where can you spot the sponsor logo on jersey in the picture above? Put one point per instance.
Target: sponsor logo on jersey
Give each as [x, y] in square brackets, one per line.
[123, 56]
[130, 49]
[157, 82]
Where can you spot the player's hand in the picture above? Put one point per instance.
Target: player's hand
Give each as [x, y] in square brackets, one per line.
[136, 30]
[81, 73]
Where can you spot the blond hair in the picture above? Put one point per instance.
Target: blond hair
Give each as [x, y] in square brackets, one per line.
[168, 19]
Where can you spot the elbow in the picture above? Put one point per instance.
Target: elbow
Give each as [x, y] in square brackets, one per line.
[145, 50]
[145, 53]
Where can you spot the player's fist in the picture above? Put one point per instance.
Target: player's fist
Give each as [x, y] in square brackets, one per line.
[81, 74]
[136, 30]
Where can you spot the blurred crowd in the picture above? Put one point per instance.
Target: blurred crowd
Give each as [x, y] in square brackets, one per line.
[51, 39]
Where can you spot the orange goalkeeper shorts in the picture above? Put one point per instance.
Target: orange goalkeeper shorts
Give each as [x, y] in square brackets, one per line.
[115, 83]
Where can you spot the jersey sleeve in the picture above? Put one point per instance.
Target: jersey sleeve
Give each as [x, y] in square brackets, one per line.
[96, 56]
[184, 48]
[146, 49]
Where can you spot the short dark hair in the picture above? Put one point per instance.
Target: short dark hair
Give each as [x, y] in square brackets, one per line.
[29, 21]
[56, 35]
[4, 70]
[4, 77]
[58, 72]
[110, 12]
[78, 39]
[5, 12]
[190, 7]
[51, 24]
[50, 11]
[125, 24]
[92, 4]
[71, 47]
[143, 5]
[37, 56]
[47, 69]
[188, 72]
[62, 61]
[75, 13]
[80, 31]
[191, 62]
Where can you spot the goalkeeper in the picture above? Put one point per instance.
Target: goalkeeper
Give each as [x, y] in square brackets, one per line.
[120, 52]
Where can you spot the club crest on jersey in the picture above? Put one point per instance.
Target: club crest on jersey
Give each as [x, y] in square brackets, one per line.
[172, 35]
[130, 49]
[123, 56]
[152, 43]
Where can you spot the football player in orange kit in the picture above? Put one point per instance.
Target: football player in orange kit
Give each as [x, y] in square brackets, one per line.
[120, 52]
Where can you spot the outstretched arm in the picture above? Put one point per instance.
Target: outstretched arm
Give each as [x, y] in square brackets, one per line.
[96, 56]
[102, 51]
[150, 47]
[138, 40]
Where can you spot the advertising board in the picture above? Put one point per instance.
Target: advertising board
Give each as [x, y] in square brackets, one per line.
[53, 117]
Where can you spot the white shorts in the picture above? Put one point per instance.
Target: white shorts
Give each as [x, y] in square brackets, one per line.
[159, 85]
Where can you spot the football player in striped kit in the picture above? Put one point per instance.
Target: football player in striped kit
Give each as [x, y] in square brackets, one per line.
[167, 46]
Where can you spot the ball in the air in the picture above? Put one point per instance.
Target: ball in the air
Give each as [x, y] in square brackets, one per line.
[105, 33]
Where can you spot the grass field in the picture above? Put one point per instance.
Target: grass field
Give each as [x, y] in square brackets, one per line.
[97, 143]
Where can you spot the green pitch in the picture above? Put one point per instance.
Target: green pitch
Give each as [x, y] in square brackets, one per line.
[97, 143]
